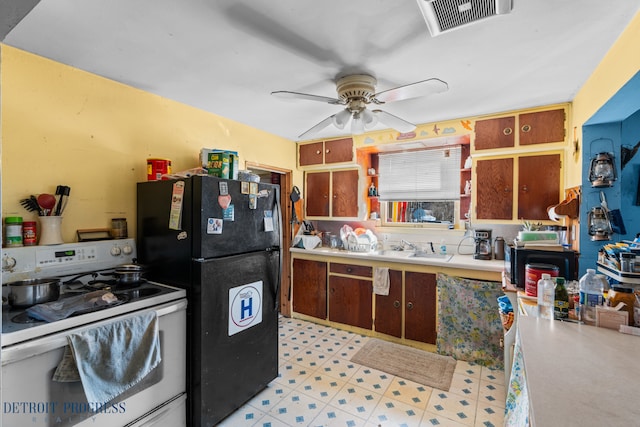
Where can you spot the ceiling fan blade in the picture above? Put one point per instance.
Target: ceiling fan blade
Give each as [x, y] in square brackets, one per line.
[411, 90]
[317, 128]
[298, 95]
[394, 122]
[264, 27]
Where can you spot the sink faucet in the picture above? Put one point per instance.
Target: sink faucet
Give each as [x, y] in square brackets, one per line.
[415, 247]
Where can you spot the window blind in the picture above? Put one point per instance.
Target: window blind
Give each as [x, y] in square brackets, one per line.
[420, 175]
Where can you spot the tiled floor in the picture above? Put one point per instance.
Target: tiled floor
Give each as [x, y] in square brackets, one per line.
[319, 386]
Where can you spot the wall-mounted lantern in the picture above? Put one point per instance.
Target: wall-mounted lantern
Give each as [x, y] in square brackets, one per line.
[602, 171]
[599, 224]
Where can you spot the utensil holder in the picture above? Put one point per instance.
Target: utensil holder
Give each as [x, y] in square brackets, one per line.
[50, 230]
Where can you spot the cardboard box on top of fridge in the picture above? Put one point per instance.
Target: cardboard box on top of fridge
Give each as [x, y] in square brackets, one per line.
[220, 163]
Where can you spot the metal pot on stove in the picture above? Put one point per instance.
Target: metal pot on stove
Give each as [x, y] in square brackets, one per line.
[129, 273]
[29, 292]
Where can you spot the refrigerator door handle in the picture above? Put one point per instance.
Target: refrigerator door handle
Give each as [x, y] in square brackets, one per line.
[276, 297]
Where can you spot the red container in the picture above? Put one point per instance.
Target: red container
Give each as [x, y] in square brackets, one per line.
[533, 273]
[156, 168]
[29, 233]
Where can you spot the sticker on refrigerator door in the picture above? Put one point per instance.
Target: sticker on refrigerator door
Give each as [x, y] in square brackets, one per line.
[245, 307]
[268, 220]
[253, 201]
[229, 213]
[214, 226]
[175, 215]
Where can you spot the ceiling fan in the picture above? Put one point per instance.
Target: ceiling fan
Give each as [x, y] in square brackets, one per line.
[355, 92]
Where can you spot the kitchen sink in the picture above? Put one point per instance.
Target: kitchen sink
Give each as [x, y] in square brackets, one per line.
[429, 255]
[392, 253]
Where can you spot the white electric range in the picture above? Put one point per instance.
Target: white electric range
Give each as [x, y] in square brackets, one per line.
[32, 349]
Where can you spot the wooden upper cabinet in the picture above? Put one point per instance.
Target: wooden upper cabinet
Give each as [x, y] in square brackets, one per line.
[326, 152]
[338, 151]
[494, 189]
[495, 133]
[542, 127]
[538, 185]
[317, 193]
[345, 193]
[311, 154]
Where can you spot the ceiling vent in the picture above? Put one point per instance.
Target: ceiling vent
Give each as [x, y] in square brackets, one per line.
[446, 15]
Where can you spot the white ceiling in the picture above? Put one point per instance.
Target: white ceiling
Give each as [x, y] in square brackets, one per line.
[227, 56]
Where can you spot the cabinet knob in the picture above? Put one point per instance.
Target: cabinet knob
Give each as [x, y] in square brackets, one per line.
[335, 196]
[349, 269]
[507, 131]
[410, 305]
[525, 188]
[318, 152]
[396, 304]
[526, 128]
[506, 189]
[327, 151]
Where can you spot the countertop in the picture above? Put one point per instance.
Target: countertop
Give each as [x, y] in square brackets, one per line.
[465, 262]
[579, 374]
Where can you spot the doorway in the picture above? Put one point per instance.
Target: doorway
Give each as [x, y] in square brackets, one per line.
[283, 177]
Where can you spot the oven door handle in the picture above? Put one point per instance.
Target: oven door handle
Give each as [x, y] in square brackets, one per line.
[39, 346]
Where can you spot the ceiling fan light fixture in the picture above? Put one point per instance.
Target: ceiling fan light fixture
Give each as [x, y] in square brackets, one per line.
[357, 124]
[340, 120]
[369, 119]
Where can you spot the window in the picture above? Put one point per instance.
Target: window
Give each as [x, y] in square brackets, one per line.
[421, 186]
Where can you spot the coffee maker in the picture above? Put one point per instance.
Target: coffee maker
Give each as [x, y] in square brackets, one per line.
[483, 244]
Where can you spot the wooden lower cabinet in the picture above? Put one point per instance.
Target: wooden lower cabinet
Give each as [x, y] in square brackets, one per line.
[309, 288]
[420, 307]
[350, 301]
[389, 307]
[343, 293]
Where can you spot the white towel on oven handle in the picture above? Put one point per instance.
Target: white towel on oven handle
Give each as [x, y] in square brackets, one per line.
[113, 358]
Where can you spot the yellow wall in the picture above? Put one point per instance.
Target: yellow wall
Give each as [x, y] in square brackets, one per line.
[61, 125]
[619, 65]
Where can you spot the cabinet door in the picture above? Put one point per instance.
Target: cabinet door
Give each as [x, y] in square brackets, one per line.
[494, 189]
[538, 185]
[338, 151]
[310, 154]
[310, 288]
[317, 193]
[494, 133]
[388, 319]
[420, 307]
[345, 193]
[350, 301]
[542, 127]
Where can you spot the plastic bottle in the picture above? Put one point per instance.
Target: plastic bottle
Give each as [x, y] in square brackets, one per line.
[591, 296]
[546, 294]
[13, 231]
[561, 300]
[443, 247]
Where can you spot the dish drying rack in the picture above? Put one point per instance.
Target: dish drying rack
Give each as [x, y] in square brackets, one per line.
[366, 242]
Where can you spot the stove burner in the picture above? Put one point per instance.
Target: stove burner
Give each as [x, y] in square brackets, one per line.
[112, 284]
[25, 318]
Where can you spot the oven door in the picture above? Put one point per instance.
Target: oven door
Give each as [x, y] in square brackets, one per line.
[31, 397]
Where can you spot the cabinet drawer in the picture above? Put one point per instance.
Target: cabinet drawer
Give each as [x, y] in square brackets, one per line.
[353, 270]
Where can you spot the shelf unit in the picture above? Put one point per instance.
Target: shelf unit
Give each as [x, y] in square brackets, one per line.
[465, 175]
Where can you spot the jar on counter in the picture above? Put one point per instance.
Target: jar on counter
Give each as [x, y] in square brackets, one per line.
[13, 231]
[119, 228]
[29, 233]
[618, 294]
[627, 262]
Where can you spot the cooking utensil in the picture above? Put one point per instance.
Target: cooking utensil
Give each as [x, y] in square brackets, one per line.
[31, 204]
[127, 274]
[47, 202]
[62, 191]
[28, 292]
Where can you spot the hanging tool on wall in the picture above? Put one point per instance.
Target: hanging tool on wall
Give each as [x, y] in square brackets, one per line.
[294, 196]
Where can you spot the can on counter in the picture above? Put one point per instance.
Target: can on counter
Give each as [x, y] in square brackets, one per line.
[156, 168]
[13, 231]
[533, 273]
[29, 233]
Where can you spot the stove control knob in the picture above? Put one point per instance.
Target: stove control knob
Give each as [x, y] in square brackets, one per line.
[116, 251]
[127, 249]
[8, 263]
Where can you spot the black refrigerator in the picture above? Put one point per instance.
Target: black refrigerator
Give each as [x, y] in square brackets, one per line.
[220, 240]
